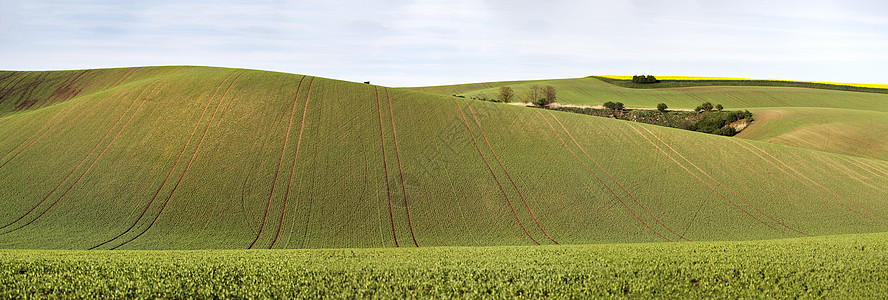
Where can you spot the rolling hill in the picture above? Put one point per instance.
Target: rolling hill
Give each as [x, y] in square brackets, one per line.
[842, 122]
[202, 158]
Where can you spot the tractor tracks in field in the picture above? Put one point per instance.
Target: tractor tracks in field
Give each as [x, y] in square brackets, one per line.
[388, 191]
[800, 174]
[498, 161]
[293, 166]
[400, 168]
[490, 169]
[722, 195]
[572, 152]
[280, 161]
[176, 163]
[31, 140]
[39, 133]
[90, 153]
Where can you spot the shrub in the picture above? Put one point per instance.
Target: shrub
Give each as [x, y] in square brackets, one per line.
[614, 105]
[642, 79]
[707, 106]
[662, 107]
[506, 94]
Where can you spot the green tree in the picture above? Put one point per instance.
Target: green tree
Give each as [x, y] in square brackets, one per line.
[707, 106]
[506, 94]
[614, 105]
[533, 94]
[549, 94]
[719, 107]
[662, 107]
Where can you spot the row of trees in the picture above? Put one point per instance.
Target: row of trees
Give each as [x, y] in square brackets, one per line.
[662, 107]
[707, 106]
[539, 96]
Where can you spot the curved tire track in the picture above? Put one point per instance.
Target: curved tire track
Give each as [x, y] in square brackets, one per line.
[503, 191]
[723, 186]
[400, 169]
[188, 166]
[496, 157]
[82, 161]
[815, 183]
[704, 182]
[278, 168]
[602, 181]
[178, 158]
[295, 157]
[65, 193]
[388, 192]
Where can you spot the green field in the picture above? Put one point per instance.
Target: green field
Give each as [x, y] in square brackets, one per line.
[199, 158]
[843, 121]
[835, 267]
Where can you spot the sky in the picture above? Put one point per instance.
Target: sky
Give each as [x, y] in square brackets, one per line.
[432, 42]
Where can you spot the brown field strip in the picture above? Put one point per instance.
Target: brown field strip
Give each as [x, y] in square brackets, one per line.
[47, 129]
[65, 193]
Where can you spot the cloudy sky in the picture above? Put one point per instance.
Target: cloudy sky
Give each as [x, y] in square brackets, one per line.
[427, 42]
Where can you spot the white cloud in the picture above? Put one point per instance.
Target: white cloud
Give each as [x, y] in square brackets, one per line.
[413, 42]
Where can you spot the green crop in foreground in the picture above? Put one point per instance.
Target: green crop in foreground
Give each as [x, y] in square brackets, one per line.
[832, 267]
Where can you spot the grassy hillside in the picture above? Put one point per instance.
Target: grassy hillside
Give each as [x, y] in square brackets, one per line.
[844, 131]
[593, 91]
[204, 158]
[825, 120]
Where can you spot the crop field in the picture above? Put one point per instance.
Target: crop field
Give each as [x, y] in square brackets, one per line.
[845, 131]
[834, 121]
[836, 267]
[289, 185]
[593, 91]
[213, 158]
